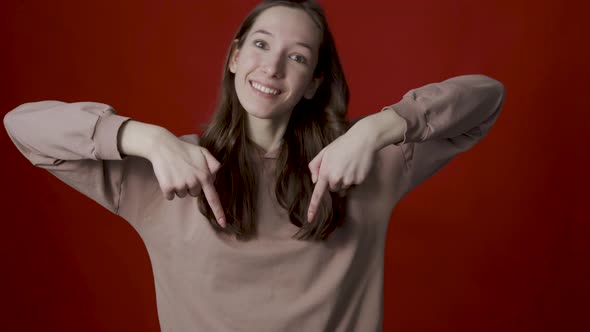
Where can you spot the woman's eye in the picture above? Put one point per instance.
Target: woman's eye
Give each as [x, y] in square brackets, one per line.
[299, 58]
[259, 43]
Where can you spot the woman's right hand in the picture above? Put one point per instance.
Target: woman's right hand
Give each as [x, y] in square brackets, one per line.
[183, 168]
[180, 167]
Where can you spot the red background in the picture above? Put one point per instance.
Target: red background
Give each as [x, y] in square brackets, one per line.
[499, 240]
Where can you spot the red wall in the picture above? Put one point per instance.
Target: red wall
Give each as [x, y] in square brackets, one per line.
[497, 241]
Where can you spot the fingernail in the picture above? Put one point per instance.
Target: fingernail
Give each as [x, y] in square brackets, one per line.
[310, 217]
[221, 222]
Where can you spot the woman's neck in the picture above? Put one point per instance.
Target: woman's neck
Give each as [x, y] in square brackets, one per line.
[266, 133]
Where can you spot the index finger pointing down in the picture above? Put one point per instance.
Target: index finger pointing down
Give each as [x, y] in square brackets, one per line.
[318, 192]
[214, 203]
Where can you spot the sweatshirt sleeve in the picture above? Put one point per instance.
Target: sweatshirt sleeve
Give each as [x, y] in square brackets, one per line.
[76, 142]
[444, 119]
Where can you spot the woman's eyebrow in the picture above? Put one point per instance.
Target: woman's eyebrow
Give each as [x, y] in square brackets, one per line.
[270, 34]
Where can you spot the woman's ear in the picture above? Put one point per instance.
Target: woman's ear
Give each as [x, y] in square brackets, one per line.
[313, 86]
[233, 60]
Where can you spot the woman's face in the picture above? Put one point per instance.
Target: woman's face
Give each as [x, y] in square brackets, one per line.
[274, 67]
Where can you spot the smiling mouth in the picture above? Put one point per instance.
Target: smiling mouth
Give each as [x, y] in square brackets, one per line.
[264, 89]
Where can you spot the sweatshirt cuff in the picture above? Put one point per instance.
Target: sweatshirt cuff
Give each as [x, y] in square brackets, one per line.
[105, 136]
[404, 137]
[415, 123]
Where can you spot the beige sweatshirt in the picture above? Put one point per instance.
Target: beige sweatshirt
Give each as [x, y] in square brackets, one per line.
[205, 282]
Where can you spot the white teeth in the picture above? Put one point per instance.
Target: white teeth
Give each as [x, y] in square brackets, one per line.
[265, 89]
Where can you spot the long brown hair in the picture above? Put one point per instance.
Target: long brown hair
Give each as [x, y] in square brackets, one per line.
[314, 123]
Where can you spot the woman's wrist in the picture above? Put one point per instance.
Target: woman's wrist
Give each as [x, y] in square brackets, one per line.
[138, 139]
[384, 128]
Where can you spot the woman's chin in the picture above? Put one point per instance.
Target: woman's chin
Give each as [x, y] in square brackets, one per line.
[265, 114]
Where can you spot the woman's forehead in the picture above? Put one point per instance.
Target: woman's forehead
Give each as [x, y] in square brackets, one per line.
[287, 24]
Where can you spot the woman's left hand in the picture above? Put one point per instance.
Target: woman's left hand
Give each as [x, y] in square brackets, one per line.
[341, 164]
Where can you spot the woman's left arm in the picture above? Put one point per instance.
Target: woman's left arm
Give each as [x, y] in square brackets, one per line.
[431, 125]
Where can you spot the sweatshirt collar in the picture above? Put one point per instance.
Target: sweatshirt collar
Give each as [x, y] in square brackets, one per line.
[270, 154]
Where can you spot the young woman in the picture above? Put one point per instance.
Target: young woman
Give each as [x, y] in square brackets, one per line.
[289, 231]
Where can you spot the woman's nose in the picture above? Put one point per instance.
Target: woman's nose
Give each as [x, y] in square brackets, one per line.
[273, 66]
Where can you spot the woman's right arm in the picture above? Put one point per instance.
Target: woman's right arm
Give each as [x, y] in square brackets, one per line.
[84, 144]
[76, 142]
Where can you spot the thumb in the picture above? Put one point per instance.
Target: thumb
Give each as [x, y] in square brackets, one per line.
[315, 164]
[212, 163]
